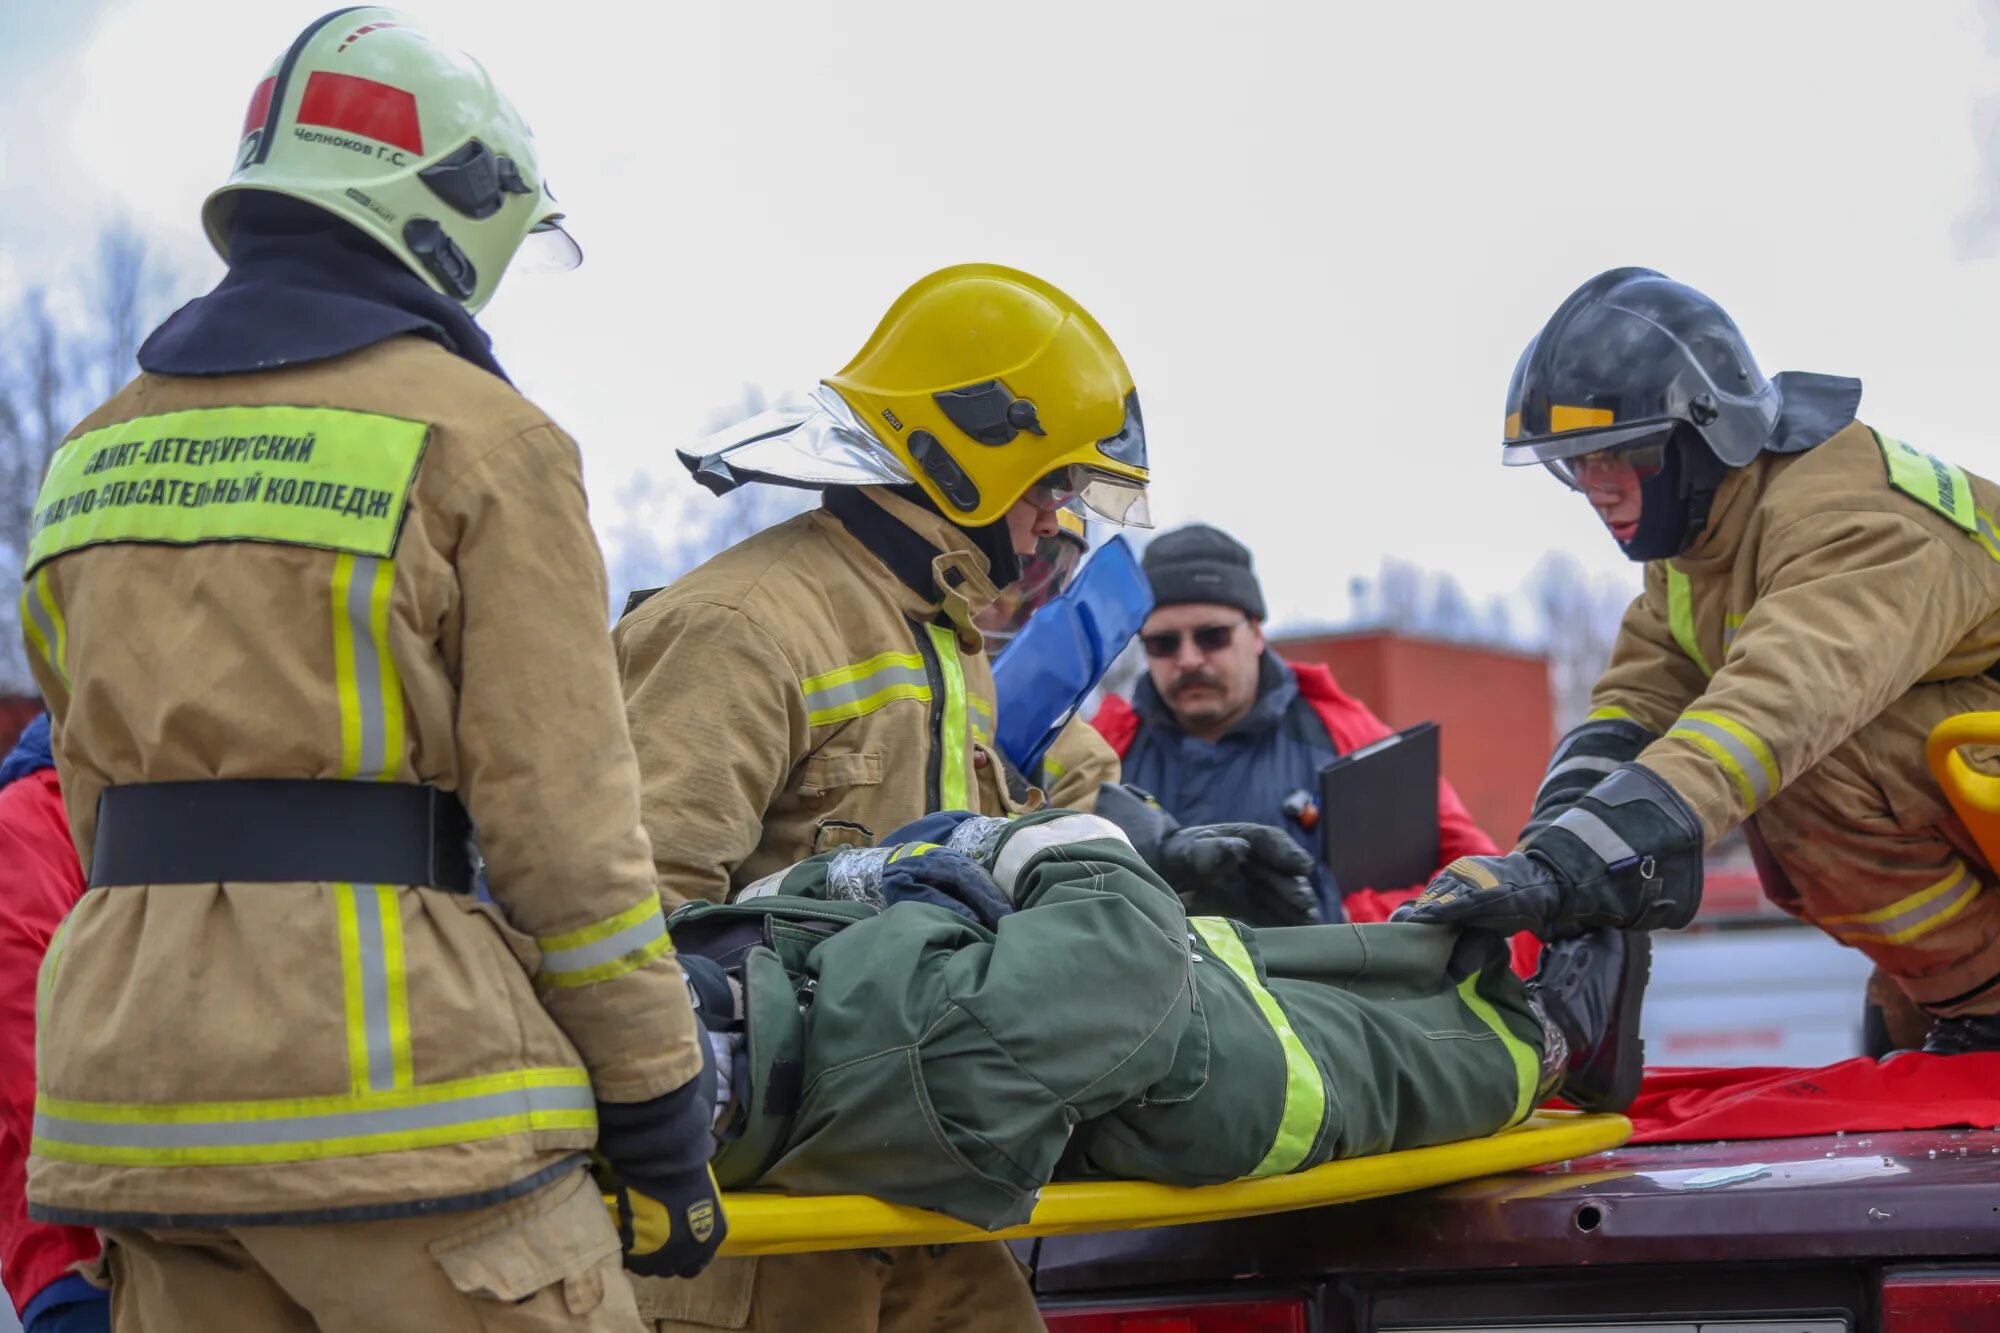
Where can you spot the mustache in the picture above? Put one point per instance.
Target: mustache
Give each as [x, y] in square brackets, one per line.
[1196, 677]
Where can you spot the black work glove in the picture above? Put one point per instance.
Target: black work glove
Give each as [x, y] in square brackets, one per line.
[1255, 861]
[1626, 854]
[652, 1164]
[1255, 866]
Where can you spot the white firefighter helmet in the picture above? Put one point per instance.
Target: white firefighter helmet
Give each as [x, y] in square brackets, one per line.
[407, 139]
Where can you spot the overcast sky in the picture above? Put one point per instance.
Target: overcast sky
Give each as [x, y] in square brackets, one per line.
[1321, 233]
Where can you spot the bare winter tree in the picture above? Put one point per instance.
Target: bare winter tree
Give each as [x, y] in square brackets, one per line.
[1579, 617]
[54, 367]
[661, 530]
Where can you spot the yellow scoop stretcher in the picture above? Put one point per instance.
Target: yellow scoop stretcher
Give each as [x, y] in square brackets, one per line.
[761, 1223]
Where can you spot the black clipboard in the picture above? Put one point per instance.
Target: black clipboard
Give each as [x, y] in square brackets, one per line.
[1378, 812]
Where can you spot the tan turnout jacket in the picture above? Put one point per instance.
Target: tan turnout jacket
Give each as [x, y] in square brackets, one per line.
[409, 592]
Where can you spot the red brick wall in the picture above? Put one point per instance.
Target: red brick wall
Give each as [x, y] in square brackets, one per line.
[1491, 706]
[15, 713]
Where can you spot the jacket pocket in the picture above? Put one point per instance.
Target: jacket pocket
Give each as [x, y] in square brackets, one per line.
[826, 773]
[557, 1244]
[718, 1297]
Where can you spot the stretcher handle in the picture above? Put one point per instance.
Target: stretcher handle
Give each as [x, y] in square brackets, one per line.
[1974, 795]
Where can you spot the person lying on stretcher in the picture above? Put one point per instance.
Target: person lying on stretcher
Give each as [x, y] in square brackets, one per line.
[980, 1006]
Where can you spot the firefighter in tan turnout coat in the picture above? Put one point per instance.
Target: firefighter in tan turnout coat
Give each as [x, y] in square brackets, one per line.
[823, 683]
[1818, 596]
[311, 598]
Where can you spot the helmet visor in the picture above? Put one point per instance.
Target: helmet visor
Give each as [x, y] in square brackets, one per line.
[1574, 443]
[548, 248]
[1114, 499]
[1611, 468]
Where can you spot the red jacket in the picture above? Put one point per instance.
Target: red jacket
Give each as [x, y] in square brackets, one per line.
[40, 880]
[1351, 725]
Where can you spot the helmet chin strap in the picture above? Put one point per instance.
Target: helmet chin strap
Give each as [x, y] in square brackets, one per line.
[1674, 504]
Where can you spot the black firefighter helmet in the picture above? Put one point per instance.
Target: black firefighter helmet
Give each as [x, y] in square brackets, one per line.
[1637, 367]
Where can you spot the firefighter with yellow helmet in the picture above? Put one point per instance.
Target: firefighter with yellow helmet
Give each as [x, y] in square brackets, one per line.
[314, 601]
[824, 682]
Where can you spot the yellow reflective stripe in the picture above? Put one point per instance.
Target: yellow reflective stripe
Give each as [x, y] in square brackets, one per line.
[388, 683]
[1680, 617]
[911, 849]
[1305, 1089]
[366, 683]
[954, 790]
[43, 621]
[605, 949]
[1053, 769]
[1731, 623]
[1527, 1061]
[374, 989]
[300, 476]
[347, 916]
[857, 690]
[982, 717]
[1930, 481]
[298, 1129]
[859, 670]
[1985, 534]
[47, 979]
[1563, 417]
[1607, 714]
[1909, 918]
[1741, 752]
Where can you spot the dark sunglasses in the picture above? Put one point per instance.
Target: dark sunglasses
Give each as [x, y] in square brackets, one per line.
[1209, 639]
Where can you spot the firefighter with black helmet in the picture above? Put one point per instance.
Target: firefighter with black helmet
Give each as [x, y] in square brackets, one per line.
[1818, 595]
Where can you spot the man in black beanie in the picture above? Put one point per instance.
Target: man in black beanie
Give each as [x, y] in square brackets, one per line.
[1223, 729]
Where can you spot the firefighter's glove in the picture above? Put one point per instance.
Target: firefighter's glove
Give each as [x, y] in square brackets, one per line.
[1627, 853]
[1580, 762]
[1253, 871]
[923, 872]
[652, 1165]
[912, 867]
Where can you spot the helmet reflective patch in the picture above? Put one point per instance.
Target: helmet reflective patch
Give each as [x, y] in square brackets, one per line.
[260, 105]
[1563, 418]
[364, 107]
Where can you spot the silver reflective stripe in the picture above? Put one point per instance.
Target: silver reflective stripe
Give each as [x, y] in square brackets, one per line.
[607, 950]
[306, 1129]
[368, 669]
[1025, 844]
[1584, 763]
[1746, 759]
[1597, 835]
[854, 691]
[374, 986]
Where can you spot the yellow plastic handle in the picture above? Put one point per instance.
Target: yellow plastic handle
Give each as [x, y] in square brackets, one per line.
[1975, 795]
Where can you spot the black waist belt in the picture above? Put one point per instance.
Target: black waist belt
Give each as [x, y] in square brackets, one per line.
[275, 830]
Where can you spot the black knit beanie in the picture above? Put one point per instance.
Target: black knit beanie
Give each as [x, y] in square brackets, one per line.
[1202, 564]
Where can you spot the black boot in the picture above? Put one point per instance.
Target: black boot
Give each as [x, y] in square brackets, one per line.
[1963, 1036]
[1590, 989]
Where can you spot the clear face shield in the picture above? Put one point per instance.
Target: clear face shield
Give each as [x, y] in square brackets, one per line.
[1607, 459]
[1043, 576]
[1112, 498]
[548, 248]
